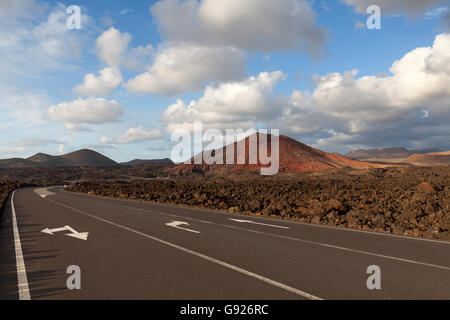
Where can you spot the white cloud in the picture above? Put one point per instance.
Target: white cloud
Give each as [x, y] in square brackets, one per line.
[113, 49]
[436, 12]
[85, 111]
[112, 45]
[34, 142]
[410, 106]
[334, 139]
[14, 8]
[409, 7]
[76, 127]
[229, 105]
[372, 108]
[417, 79]
[30, 44]
[22, 106]
[126, 11]
[101, 85]
[261, 25]
[184, 67]
[26, 146]
[132, 135]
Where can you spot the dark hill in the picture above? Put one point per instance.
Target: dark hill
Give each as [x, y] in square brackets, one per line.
[50, 161]
[86, 157]
[83, 157]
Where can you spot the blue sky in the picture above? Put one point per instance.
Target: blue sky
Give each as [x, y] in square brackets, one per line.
[228, 66]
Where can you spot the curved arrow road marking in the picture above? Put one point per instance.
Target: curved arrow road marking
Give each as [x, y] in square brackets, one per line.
[43, 192]
[74, 234]
[262, 224]
[177, 224]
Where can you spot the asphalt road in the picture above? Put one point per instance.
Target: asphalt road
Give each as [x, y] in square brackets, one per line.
[132, 250]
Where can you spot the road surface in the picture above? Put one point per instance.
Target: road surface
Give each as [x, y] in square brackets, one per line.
[132, 250]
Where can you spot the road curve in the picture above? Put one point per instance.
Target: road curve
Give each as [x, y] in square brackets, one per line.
[133, 250]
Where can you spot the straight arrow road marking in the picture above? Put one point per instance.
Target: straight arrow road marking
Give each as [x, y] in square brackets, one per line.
[262, 224]
[177, 224]
[73, 234]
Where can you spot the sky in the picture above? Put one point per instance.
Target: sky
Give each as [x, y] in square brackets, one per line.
[136, 71]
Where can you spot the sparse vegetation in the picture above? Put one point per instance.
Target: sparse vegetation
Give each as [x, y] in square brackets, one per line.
[62, 175]
[5, 188]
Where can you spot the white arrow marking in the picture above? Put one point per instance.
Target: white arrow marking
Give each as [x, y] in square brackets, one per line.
[177, 224]
[262, 224]
[43, 192]
[74, 234]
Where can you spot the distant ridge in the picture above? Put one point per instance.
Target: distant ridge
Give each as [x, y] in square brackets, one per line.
[386, 153]
[425, 157]
[441, 153]
[50, 161]
[84, 157]
[138, 162]
[430, 159]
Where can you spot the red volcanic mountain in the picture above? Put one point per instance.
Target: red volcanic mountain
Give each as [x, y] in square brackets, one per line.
[294, 156]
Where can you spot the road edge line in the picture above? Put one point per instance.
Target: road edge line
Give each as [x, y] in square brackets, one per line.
[22, 280]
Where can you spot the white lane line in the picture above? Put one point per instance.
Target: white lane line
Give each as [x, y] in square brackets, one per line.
[304, 224]
[305, 241]
[259, 223]
[22, 281]
[312, 242]
[202, 256]
[375, 233]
